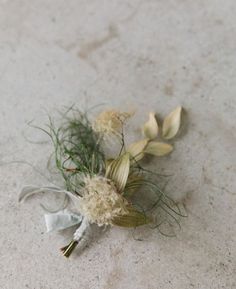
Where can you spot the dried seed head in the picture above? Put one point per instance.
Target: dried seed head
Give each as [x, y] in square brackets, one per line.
[101, 201]
[110, 122]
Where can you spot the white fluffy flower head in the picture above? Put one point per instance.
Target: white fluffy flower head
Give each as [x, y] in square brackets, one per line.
[110, 122]
[101, 201]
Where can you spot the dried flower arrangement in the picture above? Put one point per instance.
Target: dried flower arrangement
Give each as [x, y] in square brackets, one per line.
[101, 189]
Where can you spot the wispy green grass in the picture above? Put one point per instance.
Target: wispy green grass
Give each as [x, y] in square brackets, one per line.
[77, 148]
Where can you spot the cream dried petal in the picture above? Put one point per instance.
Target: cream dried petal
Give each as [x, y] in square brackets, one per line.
[108, 162]
[158, 148]
[136, 149]
[118, 171]
[171, 123]
[150, 128]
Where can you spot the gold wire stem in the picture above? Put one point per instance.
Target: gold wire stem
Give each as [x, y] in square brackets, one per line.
[67, 250]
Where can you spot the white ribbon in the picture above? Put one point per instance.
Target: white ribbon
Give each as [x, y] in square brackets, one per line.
[27, 191]
[55, 221]
[61, 220]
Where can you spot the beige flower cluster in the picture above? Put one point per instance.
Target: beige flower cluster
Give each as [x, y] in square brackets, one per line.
[110, 122]
[101, 202]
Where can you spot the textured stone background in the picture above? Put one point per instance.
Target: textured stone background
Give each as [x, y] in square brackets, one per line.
[152, 55]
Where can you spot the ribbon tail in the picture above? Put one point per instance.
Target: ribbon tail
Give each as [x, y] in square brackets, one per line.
[61, 220]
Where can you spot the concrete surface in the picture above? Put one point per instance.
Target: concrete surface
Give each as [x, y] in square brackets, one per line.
[153, 55]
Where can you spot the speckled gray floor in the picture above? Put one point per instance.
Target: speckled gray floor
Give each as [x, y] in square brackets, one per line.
[151, 55]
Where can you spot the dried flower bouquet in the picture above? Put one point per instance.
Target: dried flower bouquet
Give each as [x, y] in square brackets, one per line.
[102, 189]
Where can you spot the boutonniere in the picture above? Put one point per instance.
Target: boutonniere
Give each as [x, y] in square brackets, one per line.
[108, 190]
